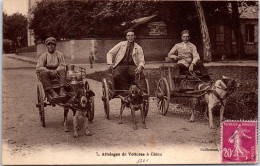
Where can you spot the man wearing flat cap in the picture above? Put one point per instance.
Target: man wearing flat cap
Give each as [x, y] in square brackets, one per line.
[49, 65]
[187, 57]
[128, 62]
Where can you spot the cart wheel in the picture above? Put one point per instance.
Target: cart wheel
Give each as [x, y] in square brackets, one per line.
[146, 107]
[86, 85]
[92, 110]
[163, 96]
[146, 102]
[40, 106]
[147, 86]
[91, 113]
[105, 97]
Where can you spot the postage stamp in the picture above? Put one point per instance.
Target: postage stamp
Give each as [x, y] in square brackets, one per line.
[239, 142]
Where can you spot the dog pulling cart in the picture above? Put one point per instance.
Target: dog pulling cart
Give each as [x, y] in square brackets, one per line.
[170, 86]
[79, 94]
[109, 92]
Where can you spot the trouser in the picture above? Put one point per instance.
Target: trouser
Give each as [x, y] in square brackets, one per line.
[124, 76]
[46, 78]
[182, 69]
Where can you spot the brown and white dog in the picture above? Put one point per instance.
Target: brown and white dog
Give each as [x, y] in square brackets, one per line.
[216, 95]
[80, 104]
[134, 100]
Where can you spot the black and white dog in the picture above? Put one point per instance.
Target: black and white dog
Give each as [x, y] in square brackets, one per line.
[134, 100]
[80, 104]
[216, 95]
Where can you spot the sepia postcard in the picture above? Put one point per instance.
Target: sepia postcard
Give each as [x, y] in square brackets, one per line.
[129, 82]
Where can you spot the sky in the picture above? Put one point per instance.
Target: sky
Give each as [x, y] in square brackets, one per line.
[13, 6]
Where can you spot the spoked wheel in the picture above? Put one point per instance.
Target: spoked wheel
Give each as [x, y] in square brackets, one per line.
[105, 97]
[163, 96]
[146, 102]
[91, 112]
[146, 107]
[40, 106]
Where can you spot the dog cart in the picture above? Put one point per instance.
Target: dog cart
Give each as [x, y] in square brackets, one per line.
[77, 89]
[109, 92]
[170, 86]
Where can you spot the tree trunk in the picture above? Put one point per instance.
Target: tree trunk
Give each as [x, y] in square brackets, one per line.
[237, 31]
[204, 32]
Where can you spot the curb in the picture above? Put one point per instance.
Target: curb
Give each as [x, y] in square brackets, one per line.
[24, 60]
[153, 64]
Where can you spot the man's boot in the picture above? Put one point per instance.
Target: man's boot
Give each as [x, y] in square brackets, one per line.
[53, 94]
[62, 92]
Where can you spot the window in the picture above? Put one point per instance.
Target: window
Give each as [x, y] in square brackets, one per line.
[250, 34]
[220, 34]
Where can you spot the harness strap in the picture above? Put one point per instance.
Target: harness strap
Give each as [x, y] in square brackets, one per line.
[218, 96]
[212, 89]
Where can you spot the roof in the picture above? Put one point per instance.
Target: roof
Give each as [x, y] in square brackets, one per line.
[250, 12]
[139, 21]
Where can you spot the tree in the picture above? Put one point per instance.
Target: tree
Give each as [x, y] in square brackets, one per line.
[237, 30]
[70, 19]
[227, 13]
[204, 32]
[15, 29]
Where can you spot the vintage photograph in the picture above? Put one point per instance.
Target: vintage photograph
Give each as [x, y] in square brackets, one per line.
[129, 82]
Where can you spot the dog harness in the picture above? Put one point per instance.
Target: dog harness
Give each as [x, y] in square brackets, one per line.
[211, 88]
[218, 96]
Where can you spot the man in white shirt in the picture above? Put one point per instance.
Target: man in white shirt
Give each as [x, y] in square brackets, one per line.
[187, 57]
[128, 62]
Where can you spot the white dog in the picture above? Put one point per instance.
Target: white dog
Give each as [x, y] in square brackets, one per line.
[216, 95]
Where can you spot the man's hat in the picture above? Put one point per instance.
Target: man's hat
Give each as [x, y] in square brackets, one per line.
[129, 30]
[185, 31]
[50, 40]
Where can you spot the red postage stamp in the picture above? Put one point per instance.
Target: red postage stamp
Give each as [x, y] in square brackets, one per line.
[239, 142]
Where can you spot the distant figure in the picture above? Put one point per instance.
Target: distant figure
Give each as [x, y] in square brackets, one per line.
[17, 51]
[91, 59]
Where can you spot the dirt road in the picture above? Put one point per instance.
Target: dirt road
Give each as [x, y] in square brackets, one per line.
[168, 139]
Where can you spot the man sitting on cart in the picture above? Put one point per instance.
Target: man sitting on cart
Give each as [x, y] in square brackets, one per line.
[187, 57]
[128, 63]
[50, 65]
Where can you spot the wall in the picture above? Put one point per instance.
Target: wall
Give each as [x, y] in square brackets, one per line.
[77, 51]
[229, 47]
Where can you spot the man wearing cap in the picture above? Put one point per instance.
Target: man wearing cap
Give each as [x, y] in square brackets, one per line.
[128, 63]
[187, 57]
[91, 59]
[49, 65]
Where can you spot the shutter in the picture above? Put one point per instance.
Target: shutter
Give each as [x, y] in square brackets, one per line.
[256, 33]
